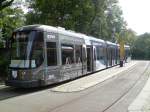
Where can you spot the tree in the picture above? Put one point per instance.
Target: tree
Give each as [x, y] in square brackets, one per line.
[99, 18]
[71, 14]
[108, 19]
[128, 35]
[10, 19]
[5, 3]
[98, 27]
[115, 21]
[141, 48]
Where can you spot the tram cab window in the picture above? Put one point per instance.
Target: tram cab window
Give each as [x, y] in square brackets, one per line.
[37, 53]
[27, 47]
[78, 52]
[51, 54]
[67, 54]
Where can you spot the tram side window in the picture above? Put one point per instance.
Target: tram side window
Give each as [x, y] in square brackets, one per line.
[67, 54]
[100, 53]
[51, 54]
[78, 52]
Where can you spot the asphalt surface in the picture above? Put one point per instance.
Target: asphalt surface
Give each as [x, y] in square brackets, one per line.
[112, 95]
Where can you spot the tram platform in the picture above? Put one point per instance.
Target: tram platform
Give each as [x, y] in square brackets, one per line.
[142, 101]
[94, 79]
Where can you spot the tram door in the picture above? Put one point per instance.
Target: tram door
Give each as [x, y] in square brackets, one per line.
[111, 56]
[94, 58]
[89, 58]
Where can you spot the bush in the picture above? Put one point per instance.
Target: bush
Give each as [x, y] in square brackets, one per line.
[4, 61]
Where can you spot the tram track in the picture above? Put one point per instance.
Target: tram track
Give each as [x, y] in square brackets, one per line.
[125, 93]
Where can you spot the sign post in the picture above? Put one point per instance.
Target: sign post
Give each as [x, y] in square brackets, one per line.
[122, 52]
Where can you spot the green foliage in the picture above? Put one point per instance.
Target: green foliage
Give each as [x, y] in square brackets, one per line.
[130, 37]
[115, 21]
[98, 27]
[5, 3]
[98, 18]
[141, 48]
[127, 35]
[71, 14]
[10, 19]
[3, 63]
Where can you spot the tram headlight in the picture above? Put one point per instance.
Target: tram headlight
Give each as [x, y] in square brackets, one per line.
[14, 74]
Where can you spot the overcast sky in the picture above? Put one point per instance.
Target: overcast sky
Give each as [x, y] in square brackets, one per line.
[137, 14]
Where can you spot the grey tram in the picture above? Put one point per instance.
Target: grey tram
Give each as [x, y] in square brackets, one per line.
[43, 55]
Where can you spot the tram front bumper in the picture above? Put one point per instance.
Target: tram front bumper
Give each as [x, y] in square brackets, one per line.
[23, 84]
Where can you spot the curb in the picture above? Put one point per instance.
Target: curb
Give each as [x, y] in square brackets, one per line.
[142, 101]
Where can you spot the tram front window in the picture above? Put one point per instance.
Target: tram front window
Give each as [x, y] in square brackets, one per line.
[27, 49]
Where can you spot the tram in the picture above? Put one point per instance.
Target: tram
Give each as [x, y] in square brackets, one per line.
[42, 55]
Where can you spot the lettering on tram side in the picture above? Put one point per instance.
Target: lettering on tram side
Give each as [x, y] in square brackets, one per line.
[51, 37]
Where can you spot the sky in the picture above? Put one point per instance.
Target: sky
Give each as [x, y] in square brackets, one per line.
[22, 4]
[137, 14]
